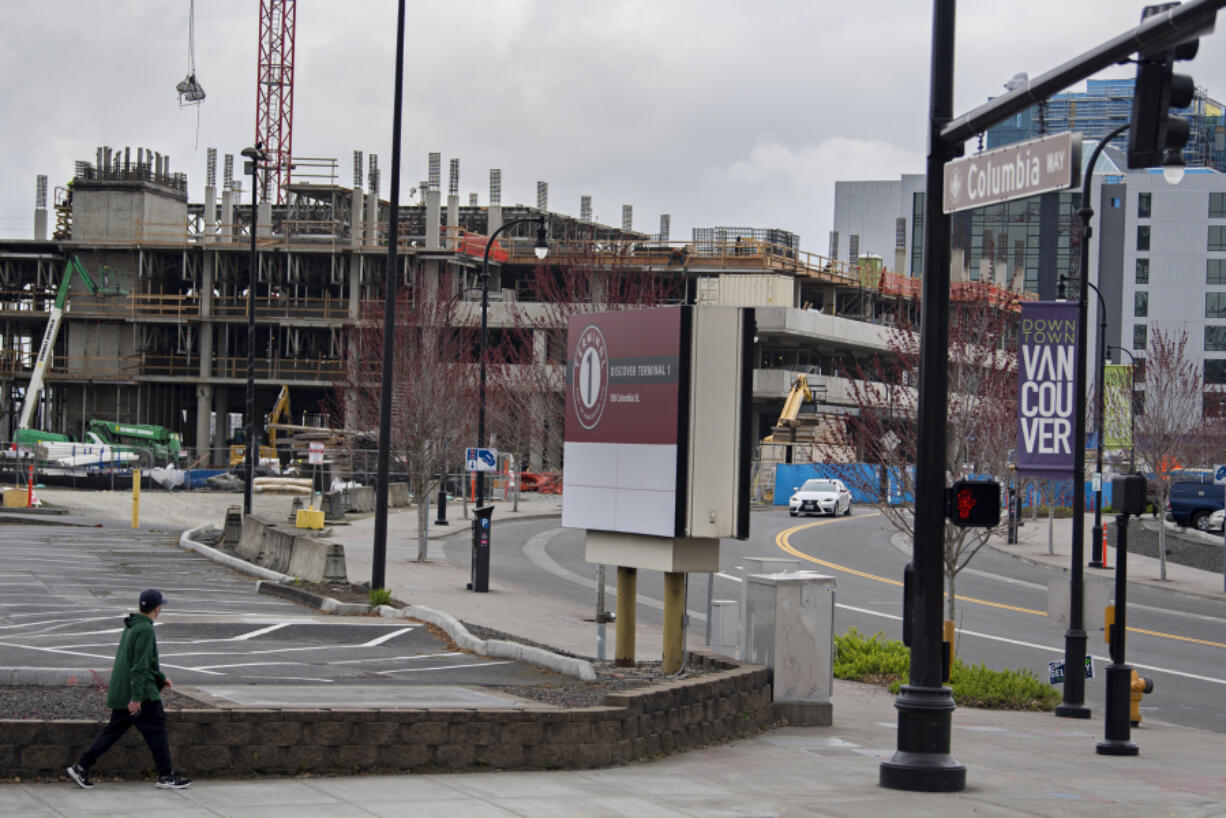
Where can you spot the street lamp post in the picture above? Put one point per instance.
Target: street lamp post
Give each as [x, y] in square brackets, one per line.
[255, 156]
[541, 248]
[1098, 555]
[1073, 705]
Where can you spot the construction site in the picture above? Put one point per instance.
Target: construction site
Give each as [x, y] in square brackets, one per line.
[128, 305]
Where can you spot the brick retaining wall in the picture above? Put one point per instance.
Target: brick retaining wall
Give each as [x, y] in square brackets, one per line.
[733, 702]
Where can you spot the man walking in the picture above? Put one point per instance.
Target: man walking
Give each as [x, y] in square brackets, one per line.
[134, 697]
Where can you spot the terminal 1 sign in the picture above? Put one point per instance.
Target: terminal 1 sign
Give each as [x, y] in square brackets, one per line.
[1047, 403]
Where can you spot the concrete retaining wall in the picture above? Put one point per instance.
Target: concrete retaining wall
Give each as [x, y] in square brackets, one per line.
[289, 551]
[733, 702]
[361, 500]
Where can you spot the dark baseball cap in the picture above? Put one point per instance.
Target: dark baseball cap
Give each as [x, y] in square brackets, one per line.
[150, 598]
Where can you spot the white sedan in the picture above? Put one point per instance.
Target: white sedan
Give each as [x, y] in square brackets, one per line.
[820, 496]
[1217, 520]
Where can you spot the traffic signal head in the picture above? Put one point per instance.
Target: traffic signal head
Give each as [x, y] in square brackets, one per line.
[1155, 138]
[974, 504]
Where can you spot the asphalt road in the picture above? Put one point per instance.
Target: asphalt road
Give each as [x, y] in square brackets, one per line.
[64, 591]
[1002, 609]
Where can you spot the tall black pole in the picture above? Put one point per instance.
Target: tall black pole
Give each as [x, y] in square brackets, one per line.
[379, 552]
[252, 444]
[1116, 738]
[1098, 548]
[485, 308]
[925, 706]
[1073, 705]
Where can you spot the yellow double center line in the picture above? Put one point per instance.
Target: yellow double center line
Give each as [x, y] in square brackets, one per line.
[782, 539]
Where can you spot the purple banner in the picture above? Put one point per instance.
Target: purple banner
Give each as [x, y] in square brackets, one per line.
[1047, 405]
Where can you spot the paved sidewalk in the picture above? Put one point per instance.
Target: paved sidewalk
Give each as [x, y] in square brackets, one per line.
[1017, 764]
[1033, 546]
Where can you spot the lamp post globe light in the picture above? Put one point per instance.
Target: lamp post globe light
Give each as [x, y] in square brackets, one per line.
[541, 249]
[255, 157]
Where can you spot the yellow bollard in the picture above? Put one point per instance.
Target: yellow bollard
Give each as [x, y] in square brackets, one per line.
[136, 498]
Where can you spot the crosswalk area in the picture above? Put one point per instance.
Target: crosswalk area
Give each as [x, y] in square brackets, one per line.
[65, 590]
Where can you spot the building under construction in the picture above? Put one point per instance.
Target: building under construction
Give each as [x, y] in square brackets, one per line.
[162, 339]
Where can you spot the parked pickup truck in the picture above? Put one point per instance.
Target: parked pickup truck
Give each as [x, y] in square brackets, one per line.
[1194, 497]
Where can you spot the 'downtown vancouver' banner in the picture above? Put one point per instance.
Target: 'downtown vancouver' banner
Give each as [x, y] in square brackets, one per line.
[1047, 359]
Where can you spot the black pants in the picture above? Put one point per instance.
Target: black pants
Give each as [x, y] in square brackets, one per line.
[152, 725]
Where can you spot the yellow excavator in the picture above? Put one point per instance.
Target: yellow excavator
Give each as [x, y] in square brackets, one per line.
[784, 432]
[280, 409]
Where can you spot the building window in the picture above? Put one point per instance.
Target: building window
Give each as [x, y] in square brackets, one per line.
[1217, 237]
[1215, 271]
[1143, 238]
[1215, 305]
[1144, 205]
[1217, 205]
[1215, 339]
[1214, 405]
[1215, 370]
[1142, 271]
[1140, 336]
[1140, 303]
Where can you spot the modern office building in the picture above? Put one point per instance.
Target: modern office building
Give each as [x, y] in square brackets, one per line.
[1158, 252]
[1104, 106]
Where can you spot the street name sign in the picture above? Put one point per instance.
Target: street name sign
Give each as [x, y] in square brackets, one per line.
[1013, 172]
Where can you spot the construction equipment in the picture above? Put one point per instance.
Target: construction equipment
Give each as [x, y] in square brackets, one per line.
[280, 409]
[155, 445]
[35, 388]
[796, 436]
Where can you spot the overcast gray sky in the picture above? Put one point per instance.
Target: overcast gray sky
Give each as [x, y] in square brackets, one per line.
[717, 112]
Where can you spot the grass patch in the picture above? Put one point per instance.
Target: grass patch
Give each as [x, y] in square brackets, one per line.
[380, 596]
[886, 662]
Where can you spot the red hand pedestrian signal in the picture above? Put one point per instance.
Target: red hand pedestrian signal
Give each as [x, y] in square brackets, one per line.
[974, 504]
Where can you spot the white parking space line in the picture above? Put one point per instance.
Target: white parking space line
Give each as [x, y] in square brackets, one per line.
[395, 658]
[207, 668]
[259, 632]
[439, 667]
[385, 637]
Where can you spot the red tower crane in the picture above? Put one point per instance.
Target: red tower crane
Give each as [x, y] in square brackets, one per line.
[274, 96]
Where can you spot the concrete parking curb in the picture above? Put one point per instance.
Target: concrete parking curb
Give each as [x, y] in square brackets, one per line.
[186, 540]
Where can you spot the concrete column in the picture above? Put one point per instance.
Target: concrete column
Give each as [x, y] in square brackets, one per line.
[355, 286]
[40, 224]
[434, 219]
[227, 216]
[674, 621]
[372, 220]
[210, 213]
[627, 596]
[495, 219]
[264, 219]
[204, 412]
[453, 221]
[221, 411]
[355, 219]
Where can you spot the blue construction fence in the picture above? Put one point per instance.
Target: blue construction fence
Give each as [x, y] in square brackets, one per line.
[864, 480]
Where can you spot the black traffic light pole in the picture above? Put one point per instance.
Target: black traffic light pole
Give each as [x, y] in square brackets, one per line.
[925, 708]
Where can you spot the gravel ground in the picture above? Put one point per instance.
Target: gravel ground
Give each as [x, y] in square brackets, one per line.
[1183, 548]
[76, 702]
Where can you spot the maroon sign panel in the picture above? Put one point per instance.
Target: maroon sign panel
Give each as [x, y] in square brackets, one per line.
[623, 376]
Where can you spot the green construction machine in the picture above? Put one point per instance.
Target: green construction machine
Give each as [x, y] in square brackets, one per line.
[156, 445]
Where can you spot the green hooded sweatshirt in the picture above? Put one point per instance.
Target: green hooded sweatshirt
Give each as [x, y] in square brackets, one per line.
[135, 676]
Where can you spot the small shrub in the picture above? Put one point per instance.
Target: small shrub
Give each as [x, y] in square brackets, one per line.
[380, 596]
[881, 661]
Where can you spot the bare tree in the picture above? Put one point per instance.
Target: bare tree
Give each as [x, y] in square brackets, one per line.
[433, 390]
[1168, 428]
[981, 411]
[529, 361]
